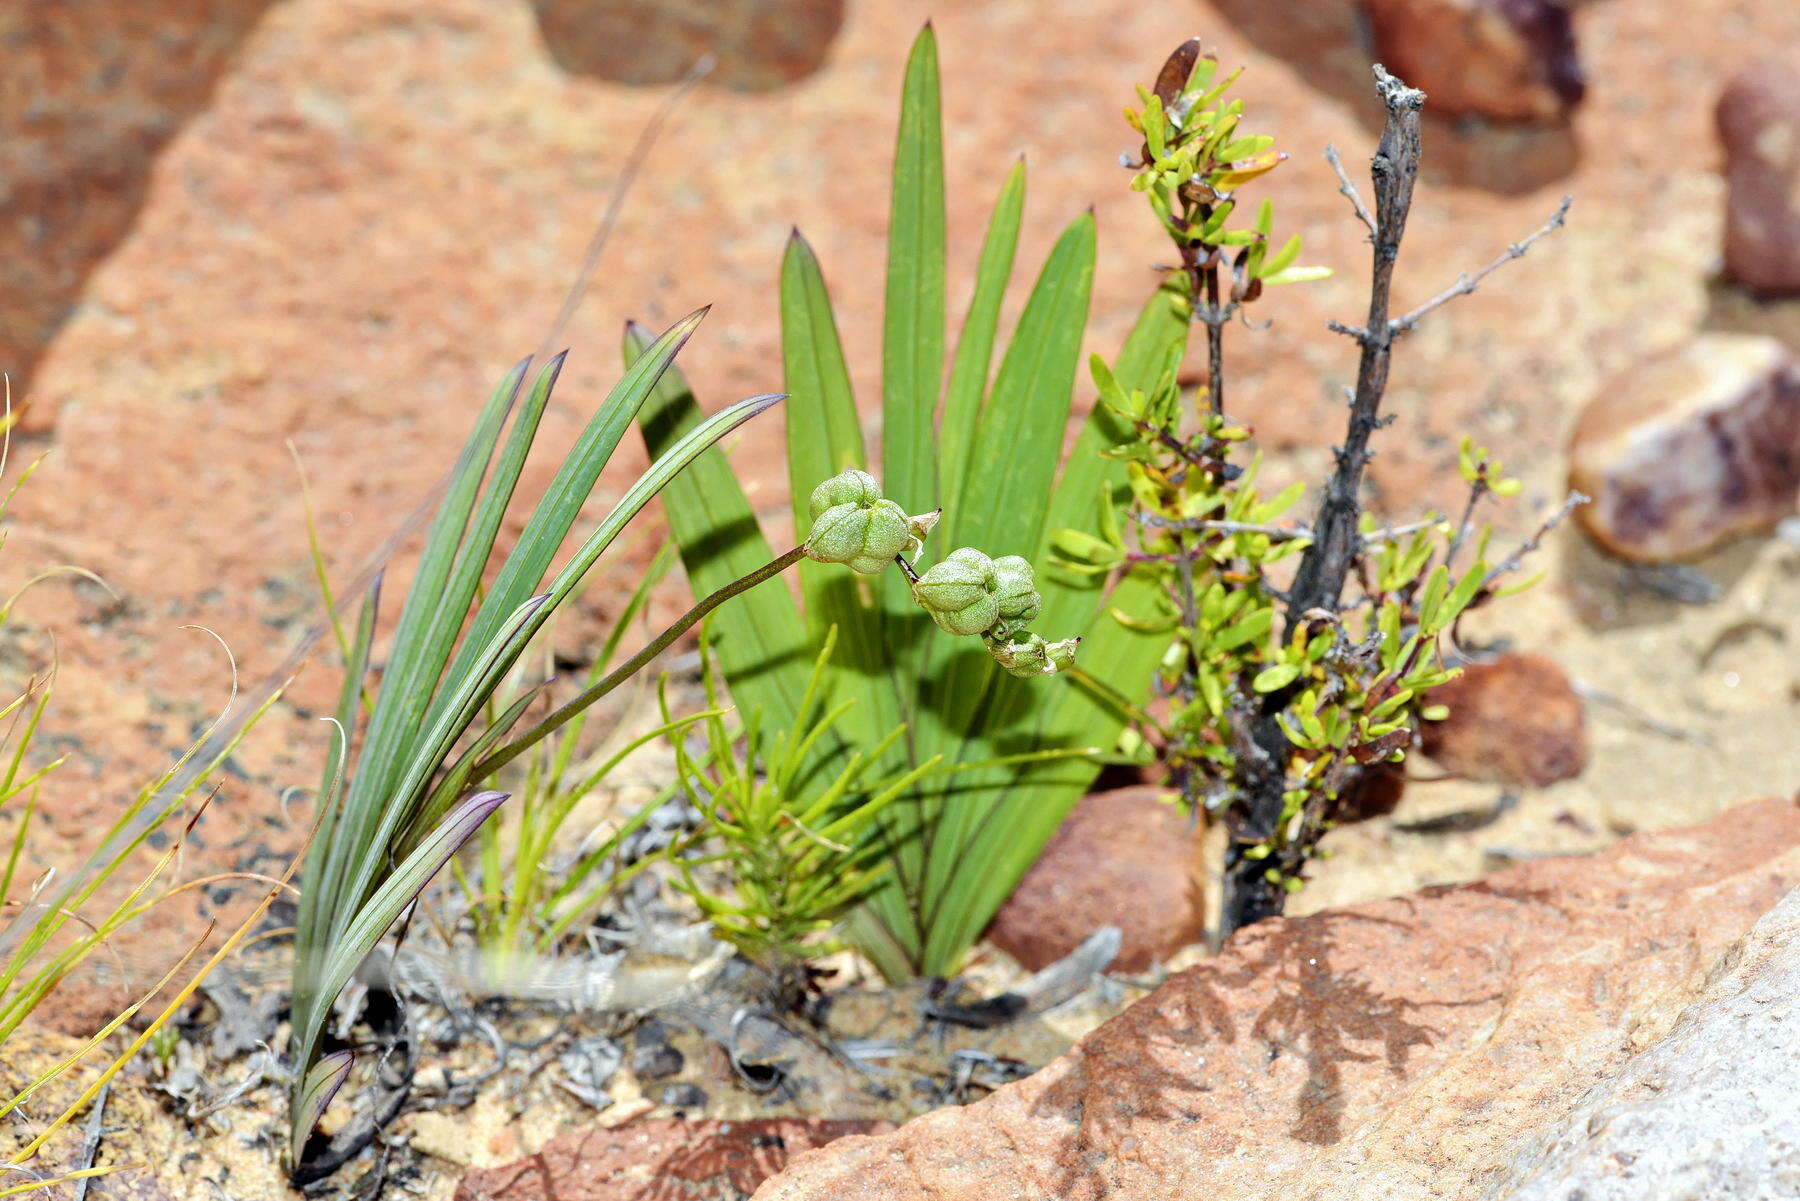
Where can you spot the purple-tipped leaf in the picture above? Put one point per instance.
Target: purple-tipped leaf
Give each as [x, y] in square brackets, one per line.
[322, 1083]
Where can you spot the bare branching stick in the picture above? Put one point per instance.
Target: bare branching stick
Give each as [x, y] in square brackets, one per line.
[1395, 167]
[1348, 189]
[1466, 284]
[1275, 533]
[1392, 533]
[1570, 503]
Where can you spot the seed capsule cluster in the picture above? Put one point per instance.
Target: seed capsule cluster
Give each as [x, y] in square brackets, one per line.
[967, 594]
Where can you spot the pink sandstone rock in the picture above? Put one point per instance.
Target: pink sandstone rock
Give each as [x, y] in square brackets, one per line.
[1391, 1051]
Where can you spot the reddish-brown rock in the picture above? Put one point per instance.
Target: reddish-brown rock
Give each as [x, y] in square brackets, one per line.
[699, 1160]
[1759, 123]
[1127, 859]
[1516, 721]
[90, 94]
[1514, 60]
[1397, 1050]
[1683, 451]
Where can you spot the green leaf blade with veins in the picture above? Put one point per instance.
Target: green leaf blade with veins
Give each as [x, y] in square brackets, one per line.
[980, 849]
[968, 384]
[824, 437]
[957, 843]
[1018, 441]
[912, 359]
[760, 641]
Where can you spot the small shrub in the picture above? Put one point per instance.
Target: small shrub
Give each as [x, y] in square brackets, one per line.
[1281, 690]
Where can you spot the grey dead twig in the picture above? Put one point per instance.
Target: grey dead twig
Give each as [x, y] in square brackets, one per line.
[90, 1147]
[1336, 546]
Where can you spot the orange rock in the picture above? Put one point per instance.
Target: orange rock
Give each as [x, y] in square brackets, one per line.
[1412, 1047]
[1513, 721]
[756, 45]
[1127, 859]
[699, 1160]
[92, 92]
[1682, 452]
[1514, 60]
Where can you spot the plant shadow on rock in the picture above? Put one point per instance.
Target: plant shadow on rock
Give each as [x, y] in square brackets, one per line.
[759, 45]
[1311, 1004]
[92, 93]
[1330, 44]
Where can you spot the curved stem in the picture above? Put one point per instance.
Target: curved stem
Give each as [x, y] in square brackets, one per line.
[524, 742]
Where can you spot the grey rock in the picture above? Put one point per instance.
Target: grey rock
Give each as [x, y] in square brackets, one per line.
[587, 1065]
[656, 1061]
[1710, 1110]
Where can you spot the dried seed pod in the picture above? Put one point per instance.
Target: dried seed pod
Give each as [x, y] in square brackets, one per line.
[1030, 655]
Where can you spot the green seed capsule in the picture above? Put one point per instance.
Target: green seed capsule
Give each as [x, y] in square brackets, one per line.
[1017, 595]
[864, 538]
[961, 593]
[850, 487]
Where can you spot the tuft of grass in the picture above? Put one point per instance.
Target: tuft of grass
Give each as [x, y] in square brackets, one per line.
[399, 795]
[54, 924]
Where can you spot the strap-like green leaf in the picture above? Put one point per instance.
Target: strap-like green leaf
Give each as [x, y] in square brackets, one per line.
[574, 482]
[824, 438]
[418, 656]
[315, 1094]
[1019, 439]
[1004, 830]
[975, 346]
[367, 926]
[1013, 467]
[456, 714]
[912, 359]
[760, 637]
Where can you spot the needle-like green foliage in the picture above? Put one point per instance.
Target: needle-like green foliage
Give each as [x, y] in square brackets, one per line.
[985, 446]
[396, 807]
[794, 853]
